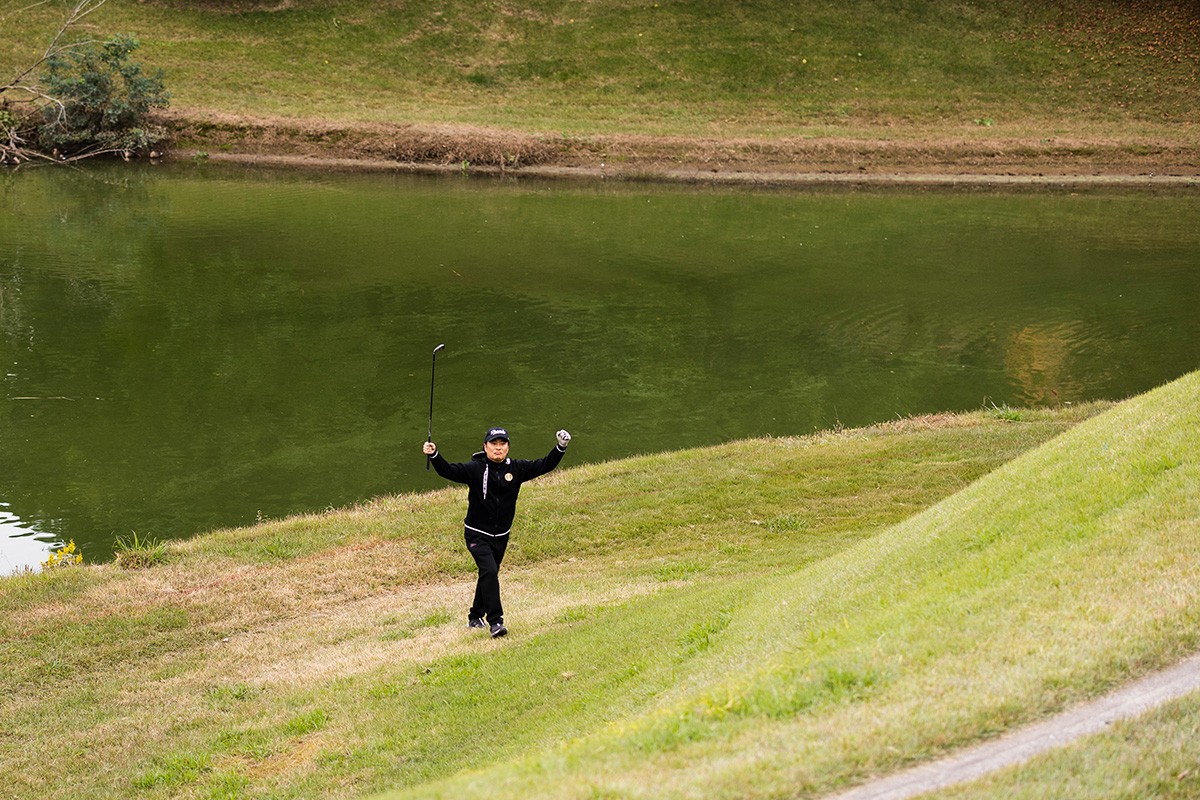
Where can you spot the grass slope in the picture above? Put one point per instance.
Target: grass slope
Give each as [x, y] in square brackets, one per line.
[770, 68]
[764, 618]
[327, 656]
[1055, 577]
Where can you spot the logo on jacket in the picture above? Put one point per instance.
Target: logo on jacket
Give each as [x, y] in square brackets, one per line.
[508, 476]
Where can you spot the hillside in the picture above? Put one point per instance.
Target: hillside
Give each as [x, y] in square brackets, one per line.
[640, 88]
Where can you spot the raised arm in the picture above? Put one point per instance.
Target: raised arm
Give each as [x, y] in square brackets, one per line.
[548, 462]
[452, 472]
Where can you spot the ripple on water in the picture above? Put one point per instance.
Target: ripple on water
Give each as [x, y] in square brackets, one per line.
[23, 546]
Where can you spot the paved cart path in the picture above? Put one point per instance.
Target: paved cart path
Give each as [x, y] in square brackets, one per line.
[1025, 743]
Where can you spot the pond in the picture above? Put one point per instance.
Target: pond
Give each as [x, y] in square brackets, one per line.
[193, 346]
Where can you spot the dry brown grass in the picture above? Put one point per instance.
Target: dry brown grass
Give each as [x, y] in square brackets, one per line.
[909, 153]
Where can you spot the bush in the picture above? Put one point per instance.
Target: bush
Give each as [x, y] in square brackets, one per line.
[8, 127]
[103, 100]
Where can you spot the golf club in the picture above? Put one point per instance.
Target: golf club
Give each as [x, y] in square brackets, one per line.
[432, 373]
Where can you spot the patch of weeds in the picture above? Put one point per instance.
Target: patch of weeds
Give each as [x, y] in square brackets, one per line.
[280, 549]
[784, 695]
[634, 669]
[1005, 413]
[846, 685]
[571, 615]
[449, 564]
[167, 619]
[453, 671]
[675, 731]
[135, 552]
[225, 696]
[679, 571]
[789, 523]
[701, 635]
[982, 539]
[305, 724]
[55, 668]
[173, 771]
[228, 786]
[482, 79]
[386, 689]
[435, 619]
[247, 743]
[1159, 464]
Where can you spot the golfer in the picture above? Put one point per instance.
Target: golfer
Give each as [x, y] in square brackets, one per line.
[493, 480]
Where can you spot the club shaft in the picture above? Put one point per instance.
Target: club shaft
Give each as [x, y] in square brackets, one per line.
[432, 381]
[432, 376]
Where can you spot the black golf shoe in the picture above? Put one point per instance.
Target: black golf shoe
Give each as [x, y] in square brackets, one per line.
[475, 622]
[498, 629]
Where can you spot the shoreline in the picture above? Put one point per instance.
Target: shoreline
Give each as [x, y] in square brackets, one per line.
[914, 159]
[746, 178]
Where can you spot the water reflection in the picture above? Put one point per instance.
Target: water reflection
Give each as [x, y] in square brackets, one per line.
[21, 547]
[202, 346]
[1038, 361]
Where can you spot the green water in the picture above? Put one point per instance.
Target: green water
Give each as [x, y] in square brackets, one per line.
[187, 347]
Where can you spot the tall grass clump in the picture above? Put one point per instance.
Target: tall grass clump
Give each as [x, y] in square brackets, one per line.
[135, 552]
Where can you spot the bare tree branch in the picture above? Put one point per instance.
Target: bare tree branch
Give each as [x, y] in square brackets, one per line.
[13, 149]
[81, 9]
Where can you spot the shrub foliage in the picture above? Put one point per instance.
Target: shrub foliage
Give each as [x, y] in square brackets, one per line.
[102, 100]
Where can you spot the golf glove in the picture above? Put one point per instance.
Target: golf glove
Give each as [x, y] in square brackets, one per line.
[564, 439]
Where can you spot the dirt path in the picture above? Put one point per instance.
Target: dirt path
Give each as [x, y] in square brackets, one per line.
[1022, 745]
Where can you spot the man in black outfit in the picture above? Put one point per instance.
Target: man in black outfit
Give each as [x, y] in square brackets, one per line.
[494, 481]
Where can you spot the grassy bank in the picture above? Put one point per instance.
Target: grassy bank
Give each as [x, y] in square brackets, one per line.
[1076, 78]
[767, 617]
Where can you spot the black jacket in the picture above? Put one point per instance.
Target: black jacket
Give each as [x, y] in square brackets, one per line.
[492, 489]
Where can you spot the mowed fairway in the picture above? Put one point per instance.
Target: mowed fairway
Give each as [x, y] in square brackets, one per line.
[767, 618]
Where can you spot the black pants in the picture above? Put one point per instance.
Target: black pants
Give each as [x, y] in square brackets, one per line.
[488, 552]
